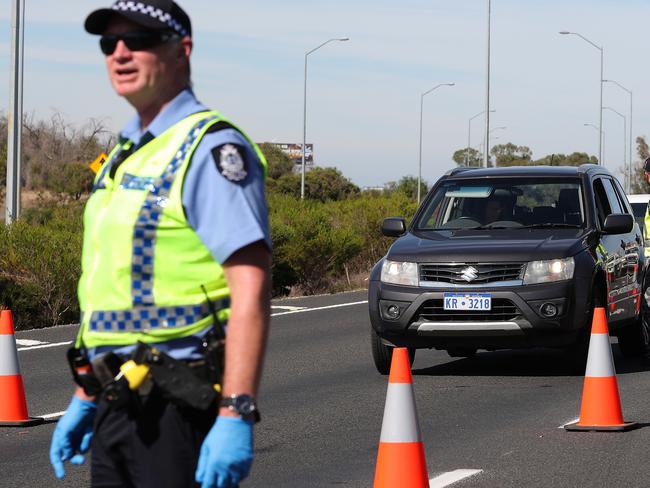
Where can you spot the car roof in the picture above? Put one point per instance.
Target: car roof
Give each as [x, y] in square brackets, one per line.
[639, 198]
[527, 171]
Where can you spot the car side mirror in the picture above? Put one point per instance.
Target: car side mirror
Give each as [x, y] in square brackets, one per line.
[618, 224]
[393, 227]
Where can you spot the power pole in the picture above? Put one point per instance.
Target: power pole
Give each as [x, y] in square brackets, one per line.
[15, 115]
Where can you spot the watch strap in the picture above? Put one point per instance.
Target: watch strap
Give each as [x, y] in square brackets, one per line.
[244, 405]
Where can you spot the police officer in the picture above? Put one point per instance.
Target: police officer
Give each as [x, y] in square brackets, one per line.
[646, 176]
[176, 243]
[645, 309]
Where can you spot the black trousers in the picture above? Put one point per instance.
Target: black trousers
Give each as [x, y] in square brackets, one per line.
[148, 443]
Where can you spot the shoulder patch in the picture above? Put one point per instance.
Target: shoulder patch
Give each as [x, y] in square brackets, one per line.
[230, 161]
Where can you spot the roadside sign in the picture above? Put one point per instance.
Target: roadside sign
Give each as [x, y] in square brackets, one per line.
[97, 163]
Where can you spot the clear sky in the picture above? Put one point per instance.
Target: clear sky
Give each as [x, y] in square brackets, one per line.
[364, 95]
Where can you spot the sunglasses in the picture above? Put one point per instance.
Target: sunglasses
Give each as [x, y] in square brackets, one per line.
[135, 41]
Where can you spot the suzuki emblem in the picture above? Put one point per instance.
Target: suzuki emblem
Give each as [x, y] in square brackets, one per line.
[469, 274]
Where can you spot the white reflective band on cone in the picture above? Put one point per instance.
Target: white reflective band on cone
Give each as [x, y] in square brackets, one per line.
[600, 363]
[8, 356]
[400, 422]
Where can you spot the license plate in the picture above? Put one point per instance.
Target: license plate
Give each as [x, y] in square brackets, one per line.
[464, 301]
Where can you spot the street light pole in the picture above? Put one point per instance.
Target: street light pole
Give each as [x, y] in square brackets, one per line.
[492, 130]
[631, 151]
[421, 110]
[15, 115]
[304, 114]
[600, 115]
[469, 135]
[624, 137]
[602, 133]
[486, 152]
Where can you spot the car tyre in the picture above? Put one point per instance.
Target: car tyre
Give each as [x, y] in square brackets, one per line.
[577, 352]
[462, 352]
[633, 339]
[382, 354]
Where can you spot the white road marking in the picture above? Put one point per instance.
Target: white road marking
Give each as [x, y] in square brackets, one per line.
[318, 308]
[52, 415]
[28, 342]
[569, 422]
[44, 346]
[287, 307]
[452, 477]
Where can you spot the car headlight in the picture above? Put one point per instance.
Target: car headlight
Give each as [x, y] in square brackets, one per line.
[400, 273]
[547, 271]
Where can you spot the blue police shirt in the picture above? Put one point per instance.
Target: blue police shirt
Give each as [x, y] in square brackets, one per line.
[226, 215]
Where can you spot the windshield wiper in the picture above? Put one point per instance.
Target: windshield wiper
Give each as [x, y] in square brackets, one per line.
[492, 226]
[549, 224]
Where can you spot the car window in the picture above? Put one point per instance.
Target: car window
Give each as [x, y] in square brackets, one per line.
[602, 205]
[504, 203]
[614, 203]
[622, 197]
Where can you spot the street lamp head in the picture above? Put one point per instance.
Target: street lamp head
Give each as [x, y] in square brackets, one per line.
[564, 33]
[450, 84]
[342, 39]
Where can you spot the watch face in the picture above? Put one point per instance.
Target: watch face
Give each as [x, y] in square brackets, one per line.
[244, 404]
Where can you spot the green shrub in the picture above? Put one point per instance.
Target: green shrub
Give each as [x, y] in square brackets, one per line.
[73, 180]
[316, 242]
[40, 266]
[308, 246]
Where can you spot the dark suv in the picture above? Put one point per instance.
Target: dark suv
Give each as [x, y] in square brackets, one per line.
[511, 257]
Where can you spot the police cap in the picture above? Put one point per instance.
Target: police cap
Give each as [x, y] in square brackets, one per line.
[164, 15]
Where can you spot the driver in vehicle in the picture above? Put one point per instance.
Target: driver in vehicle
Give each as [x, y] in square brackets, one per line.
[496, 209]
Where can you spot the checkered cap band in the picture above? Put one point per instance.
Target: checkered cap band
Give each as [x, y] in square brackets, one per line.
[146, 225]
[153, 12]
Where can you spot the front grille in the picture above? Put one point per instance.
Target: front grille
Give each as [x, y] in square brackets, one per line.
[474, 272]
[433, 311]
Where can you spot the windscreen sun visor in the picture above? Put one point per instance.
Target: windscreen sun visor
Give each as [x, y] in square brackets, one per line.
[469, 192]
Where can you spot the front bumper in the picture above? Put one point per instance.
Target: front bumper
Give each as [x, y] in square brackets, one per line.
[515, 321]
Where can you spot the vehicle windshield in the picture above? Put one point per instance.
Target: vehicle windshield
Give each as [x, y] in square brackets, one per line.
[504, 203]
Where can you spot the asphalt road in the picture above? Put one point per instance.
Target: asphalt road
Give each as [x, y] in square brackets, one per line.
[322, 404]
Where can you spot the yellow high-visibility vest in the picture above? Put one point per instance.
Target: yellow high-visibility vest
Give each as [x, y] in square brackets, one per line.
[146, 275]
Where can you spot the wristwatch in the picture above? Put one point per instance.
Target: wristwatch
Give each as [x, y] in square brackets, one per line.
[244, 405]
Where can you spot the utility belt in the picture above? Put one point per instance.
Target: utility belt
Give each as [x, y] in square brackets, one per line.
[195, 384]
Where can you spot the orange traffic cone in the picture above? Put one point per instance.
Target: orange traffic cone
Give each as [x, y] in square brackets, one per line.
[13, 407]
[400, 460]
[601, 404]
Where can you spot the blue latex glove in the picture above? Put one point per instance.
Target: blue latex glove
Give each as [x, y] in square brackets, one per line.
[72, 435]
[226, 454]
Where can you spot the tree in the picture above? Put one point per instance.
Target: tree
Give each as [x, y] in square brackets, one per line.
[638, 183]
[467, 157]
[49, 145]
[328, 184]
[408, 185]
[573, 159]
[320, 184]
[278, 162]
[73, 179]
[511, 155]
